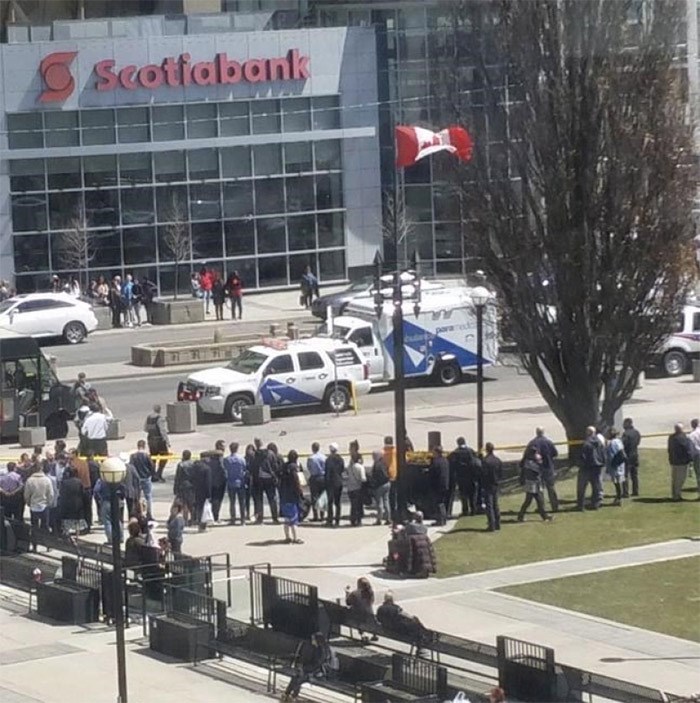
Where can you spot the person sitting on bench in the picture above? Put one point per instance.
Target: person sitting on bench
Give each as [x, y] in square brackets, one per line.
[394, 620]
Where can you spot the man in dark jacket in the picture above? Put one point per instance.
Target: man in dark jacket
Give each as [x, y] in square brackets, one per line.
[542, 444]
[491, 476]
[439, 473]
[630, 441]
[680, 455]
[334, 484]
[141, 461]
[156, 429]
[394, 619]
[201, 483]
[592, 463]
[466, 466]
[264, 480]
[215, 461]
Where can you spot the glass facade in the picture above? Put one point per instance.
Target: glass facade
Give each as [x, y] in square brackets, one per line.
[267, 210]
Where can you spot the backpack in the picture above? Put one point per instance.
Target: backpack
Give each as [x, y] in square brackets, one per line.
[379, 476]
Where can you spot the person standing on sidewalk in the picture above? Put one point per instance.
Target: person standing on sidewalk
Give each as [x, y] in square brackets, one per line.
[379, 483]
[531, 478]
[94, 430]
[145, 470]
[264, 475]
[356, 479]
[215, 460]
[236, 478]
[218, 297]
[491, 476]
[316, 466]
[548, 452]
[234, 290]
[156, 429]
[39, 496]
[334, 484]
[694, 438]
[630, 441]
[206, 283]
[290, 497]
[439, 472]
[615, 460]
[680, 454]
[390, 458]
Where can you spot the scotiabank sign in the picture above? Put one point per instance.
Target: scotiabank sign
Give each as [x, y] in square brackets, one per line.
[172, 72]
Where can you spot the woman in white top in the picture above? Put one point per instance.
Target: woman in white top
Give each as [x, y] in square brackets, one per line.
[615, 459]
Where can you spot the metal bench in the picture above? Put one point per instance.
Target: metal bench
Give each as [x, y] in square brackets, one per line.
[412, 679]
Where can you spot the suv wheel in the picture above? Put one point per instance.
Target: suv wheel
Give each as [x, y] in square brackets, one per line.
[675, 363]
[234, 405]
[338, 399]
[449, 374]
[74, 332]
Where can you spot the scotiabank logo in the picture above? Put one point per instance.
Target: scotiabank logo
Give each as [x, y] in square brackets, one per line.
[55, 73]
[222, 71]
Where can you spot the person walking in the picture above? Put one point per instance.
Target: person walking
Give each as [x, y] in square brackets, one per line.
[615, 460]
[491, 476]
[680, 454]
[356, 480]
[156, 429]
[236, 479]
[466, 466]
[183, 486]
[264, 481]
[439, 473]
[334, 484]
[290, 497]
[694, 438]
[234, 290]
[592, 462]
[38, 496]
[531, 478]
[549, 453]
[389, 454]
[316, 467]
[145, 470]
[218, 297]
[379, 483]
[309, 287]
[630, 441]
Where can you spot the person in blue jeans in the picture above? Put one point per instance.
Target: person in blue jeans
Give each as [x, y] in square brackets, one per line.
[236, 479]
[141, 461]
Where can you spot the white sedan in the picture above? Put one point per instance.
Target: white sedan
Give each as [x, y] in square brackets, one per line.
[48, 315]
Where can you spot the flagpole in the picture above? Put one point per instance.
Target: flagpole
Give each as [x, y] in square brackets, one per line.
[399, 381]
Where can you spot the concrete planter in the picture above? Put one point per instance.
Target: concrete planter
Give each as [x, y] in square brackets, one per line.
[114, 429]
[255, 414]
[177, 312]
[181, 417]
[32, 437]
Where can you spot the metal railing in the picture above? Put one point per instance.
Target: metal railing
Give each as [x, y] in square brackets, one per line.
[418, 676]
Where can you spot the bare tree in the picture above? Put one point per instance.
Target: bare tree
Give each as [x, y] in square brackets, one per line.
[396, 235]
[177, 240]
[589, 190]
[76, 248]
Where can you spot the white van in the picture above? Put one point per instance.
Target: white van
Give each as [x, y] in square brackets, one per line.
[677, 352]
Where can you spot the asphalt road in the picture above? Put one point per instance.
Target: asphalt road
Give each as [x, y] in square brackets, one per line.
[131, 399]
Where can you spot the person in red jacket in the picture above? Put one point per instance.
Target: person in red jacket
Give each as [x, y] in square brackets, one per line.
[234, 289]
[206, 283]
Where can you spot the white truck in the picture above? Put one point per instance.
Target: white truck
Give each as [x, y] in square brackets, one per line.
[439, 342]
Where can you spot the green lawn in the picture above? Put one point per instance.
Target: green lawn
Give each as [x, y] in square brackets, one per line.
[663, 596]
[644, 520]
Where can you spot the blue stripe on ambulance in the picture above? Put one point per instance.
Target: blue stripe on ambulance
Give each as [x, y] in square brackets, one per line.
[275, 393]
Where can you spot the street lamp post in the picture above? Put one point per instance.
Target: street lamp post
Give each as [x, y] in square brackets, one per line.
[391, 287]
[480, 297]
[112, 472]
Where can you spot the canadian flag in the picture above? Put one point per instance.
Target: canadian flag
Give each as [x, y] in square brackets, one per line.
[413, 143]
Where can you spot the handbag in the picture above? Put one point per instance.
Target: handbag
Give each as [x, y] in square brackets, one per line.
[322, 502]
[303, 483]
[207, 513]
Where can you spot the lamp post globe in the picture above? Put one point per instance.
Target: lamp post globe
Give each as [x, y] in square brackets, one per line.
[480, 296]
[112, 470]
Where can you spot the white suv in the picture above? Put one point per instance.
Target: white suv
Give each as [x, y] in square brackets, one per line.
[683, 345]
[48, 315]
[281, 374]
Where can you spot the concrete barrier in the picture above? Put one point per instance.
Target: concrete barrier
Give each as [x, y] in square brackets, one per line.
[696, 370]
[104, 317]
[255, 414]
[114, 429]
[182, 417]
[177, 312]
[32, 437]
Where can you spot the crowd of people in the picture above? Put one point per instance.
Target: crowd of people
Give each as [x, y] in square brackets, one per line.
[210, 286]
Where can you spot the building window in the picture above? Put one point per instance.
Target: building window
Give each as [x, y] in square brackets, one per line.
[97, 127]
[235, 162]
[297, 157]
[296, 115]
[267, 159]
[25, 130]
[234, 119]
[326, 112]
[272, 235]
[266, 116]
[201, 120]
[240, 237]
[61, 129]
[168, 123]
[133, 125]
[269, 196]
[27, 175]
[169, 166]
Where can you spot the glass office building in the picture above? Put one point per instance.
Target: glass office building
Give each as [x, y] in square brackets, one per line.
[259, 149]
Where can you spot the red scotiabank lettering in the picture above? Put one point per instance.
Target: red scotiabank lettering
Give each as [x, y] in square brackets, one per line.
[222, 71]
